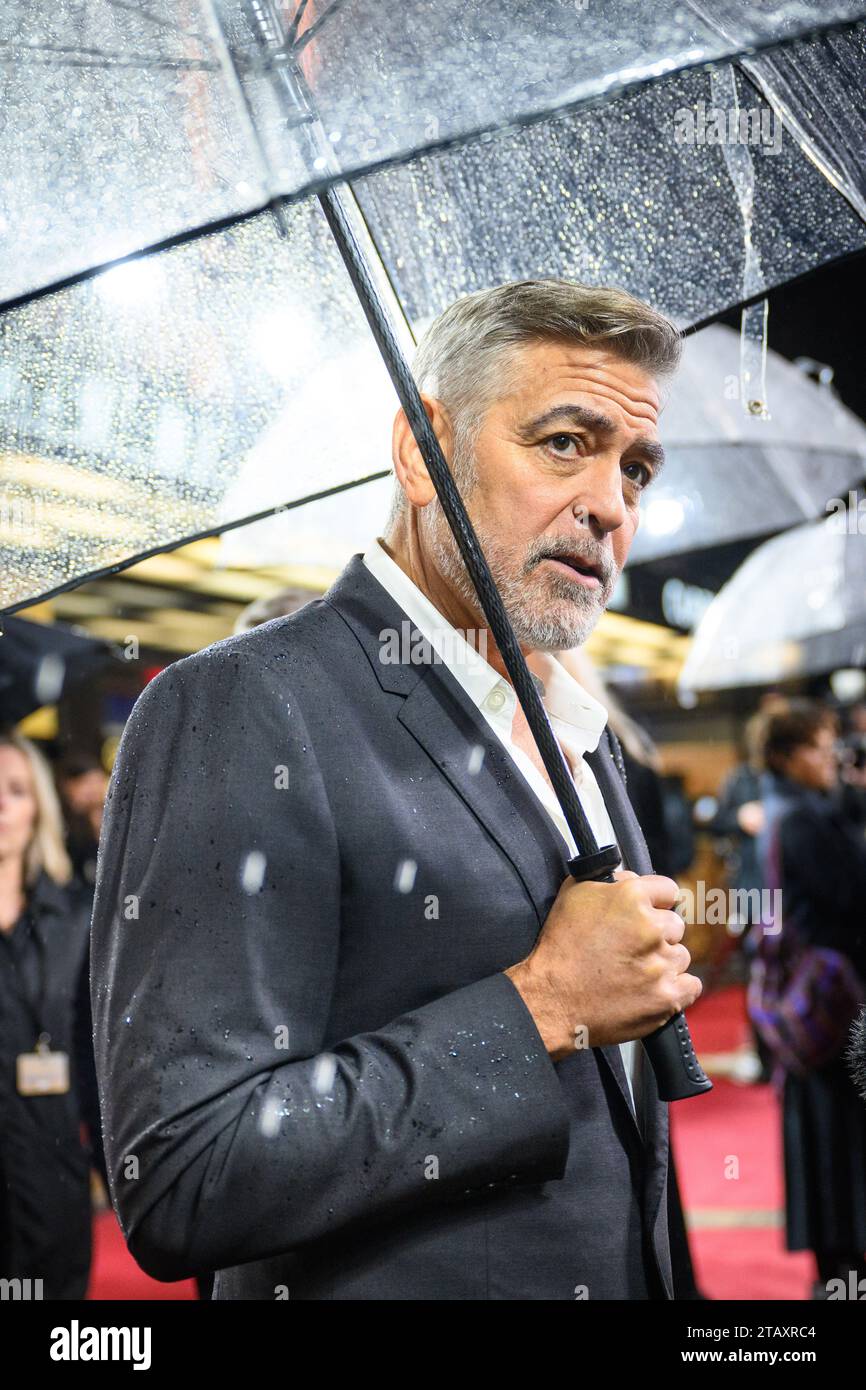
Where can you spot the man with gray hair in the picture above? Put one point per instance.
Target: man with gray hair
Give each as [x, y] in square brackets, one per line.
[366, 1038]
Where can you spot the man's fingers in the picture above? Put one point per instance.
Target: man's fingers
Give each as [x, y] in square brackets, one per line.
[691, 988]
[620, 874]
[679, 957]
[663, 891]
[672, 925]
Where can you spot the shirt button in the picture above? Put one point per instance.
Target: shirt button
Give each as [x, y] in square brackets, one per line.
[496, 699]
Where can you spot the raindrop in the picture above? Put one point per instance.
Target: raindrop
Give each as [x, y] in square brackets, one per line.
[48, 681]
[404, 880]
[324, 1073]
[269, 1118]
[476, 759]
[253, 871]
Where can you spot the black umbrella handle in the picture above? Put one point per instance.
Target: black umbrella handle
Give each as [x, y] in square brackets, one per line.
[678, 1072]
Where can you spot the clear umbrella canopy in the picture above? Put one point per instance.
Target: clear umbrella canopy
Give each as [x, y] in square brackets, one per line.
[796, 607]
[137, 406]
[124, 124]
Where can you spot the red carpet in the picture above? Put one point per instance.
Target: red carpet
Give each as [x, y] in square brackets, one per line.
[729, 1162]
[114, 1273]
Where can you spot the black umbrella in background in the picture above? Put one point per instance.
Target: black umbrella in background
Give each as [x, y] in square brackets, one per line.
[38, 664]
[287, 111]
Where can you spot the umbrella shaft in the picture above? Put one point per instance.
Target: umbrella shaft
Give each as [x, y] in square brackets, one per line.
[458, 520]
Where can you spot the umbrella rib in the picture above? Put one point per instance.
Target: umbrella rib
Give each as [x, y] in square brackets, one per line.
[80, 277]
[117, 566]
[156, 19]
[300, 44]
[295, 24]
[99, 58]
[314, 186]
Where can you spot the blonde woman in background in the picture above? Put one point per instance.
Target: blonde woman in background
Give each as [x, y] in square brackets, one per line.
[46, 1056]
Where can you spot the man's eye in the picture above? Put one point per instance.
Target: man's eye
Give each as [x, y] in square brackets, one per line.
[639, 473]
[560, 443]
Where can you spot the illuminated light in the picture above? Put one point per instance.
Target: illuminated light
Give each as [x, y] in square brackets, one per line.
[663, 516]
[848, 684]
[132, 283]
[285, 342]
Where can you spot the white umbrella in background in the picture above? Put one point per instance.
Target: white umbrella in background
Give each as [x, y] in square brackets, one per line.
[796, 607]
[730, 475]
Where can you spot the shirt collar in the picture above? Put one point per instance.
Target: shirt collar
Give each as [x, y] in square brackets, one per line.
[576, 714]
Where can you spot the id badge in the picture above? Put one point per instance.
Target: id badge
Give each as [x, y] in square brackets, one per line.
[43, 1072]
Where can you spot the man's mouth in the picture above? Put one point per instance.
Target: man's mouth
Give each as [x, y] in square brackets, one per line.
[580, 570]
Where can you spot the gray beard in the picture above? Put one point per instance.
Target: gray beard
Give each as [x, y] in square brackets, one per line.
[536, 631]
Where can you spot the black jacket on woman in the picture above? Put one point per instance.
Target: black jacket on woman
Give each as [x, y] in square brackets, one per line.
[45, 1161]
[822, 864]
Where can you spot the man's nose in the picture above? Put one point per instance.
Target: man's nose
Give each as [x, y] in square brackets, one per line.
[601, 505]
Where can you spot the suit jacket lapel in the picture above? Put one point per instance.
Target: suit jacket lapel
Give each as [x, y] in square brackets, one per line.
[440, 715]
[443, 719]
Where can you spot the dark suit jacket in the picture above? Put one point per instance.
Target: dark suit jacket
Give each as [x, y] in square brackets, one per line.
[315, 1077]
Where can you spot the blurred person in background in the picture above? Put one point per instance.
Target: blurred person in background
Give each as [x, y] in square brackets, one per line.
[739, 818]
[277, 605]
[83, 785]
[738, 822]
[853, 764]
[807, 985]
[46, 1048]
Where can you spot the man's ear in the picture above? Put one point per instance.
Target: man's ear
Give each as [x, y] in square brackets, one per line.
[409, 466]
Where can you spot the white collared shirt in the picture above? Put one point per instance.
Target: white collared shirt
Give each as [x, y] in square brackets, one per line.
[576, 718]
